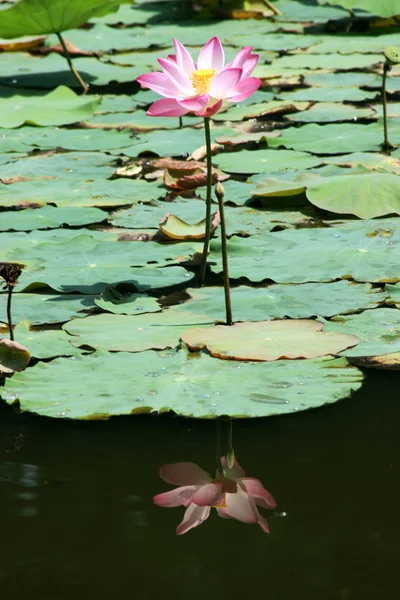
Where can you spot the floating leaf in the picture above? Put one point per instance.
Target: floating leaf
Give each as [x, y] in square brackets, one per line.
[383, 8]
[46, 308]
[35, 17]
[378, 331]
[367, 195]
[279, 301]
[117, 302]
[96, 386]
[13, 356]
[130, 333]
[59, 107]
[363, 252]
[268, 340]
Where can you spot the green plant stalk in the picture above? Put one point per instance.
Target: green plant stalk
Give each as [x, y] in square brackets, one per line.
[71, 65]
[203, 265]
[386, 144]
[9, 317]
[225, 268]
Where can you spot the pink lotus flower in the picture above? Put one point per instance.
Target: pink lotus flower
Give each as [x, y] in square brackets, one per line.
[234, 495]
[200, 87]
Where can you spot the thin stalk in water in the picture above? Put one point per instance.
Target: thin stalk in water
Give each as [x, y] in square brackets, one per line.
[203, 265]
[386, 144]
[220, 193]
[70, 63]
[9, 317]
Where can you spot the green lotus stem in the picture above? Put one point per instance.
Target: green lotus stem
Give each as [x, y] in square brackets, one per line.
[386, 144]
[9, 317]
[208, 202]
[220, 193]
[180, 122]
[71, 65]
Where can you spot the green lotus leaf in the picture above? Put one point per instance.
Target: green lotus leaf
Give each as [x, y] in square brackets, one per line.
[49, 217]
[46, 308]
[35, 17]
[394, 293]
[97, 386]
[87, 265]
[335, 138]
[59, 107]
[126, 303]
[126, 333]
[279, 301]
[44, 344]
[378, 331]
[383, 8]
[367, 195]
[258, 161]
[362, 252]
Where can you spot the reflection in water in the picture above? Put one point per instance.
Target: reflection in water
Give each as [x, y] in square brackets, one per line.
[27, 477]
[97, 533]
[230, 492]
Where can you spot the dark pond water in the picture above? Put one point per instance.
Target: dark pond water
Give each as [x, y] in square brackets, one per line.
[77, 519]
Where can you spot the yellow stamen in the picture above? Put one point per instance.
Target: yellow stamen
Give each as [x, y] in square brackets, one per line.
[221, 504]
[201, 80]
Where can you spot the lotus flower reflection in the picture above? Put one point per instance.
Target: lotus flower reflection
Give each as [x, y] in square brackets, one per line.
[201, 86]
[232, 494]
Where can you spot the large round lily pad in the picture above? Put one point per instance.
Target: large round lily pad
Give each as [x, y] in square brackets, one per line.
[46, 308]
[104, 384]
[268, 340]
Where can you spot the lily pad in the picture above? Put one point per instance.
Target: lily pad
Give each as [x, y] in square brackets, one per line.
[363, 253]
[258, 161]
[97, 386]
[383, 8]
[13, 356]
[367, 195]
[35, 17]
[118, 332]
[44, 344]
[46, 308]
[59, 107]
[335, 138]
[394, 293]
[378, 331]
[117, 302]
[268, 340]
[328, 112]
[279, 301]
[49, 217]
[84, 264]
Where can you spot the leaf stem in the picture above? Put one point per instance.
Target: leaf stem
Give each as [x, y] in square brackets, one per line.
[387, 146]
[272, 7]
[219, 191]
[70, 63]
[9, 317]
[208, 202]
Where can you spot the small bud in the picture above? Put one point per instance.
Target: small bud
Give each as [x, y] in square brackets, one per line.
[219, 191]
